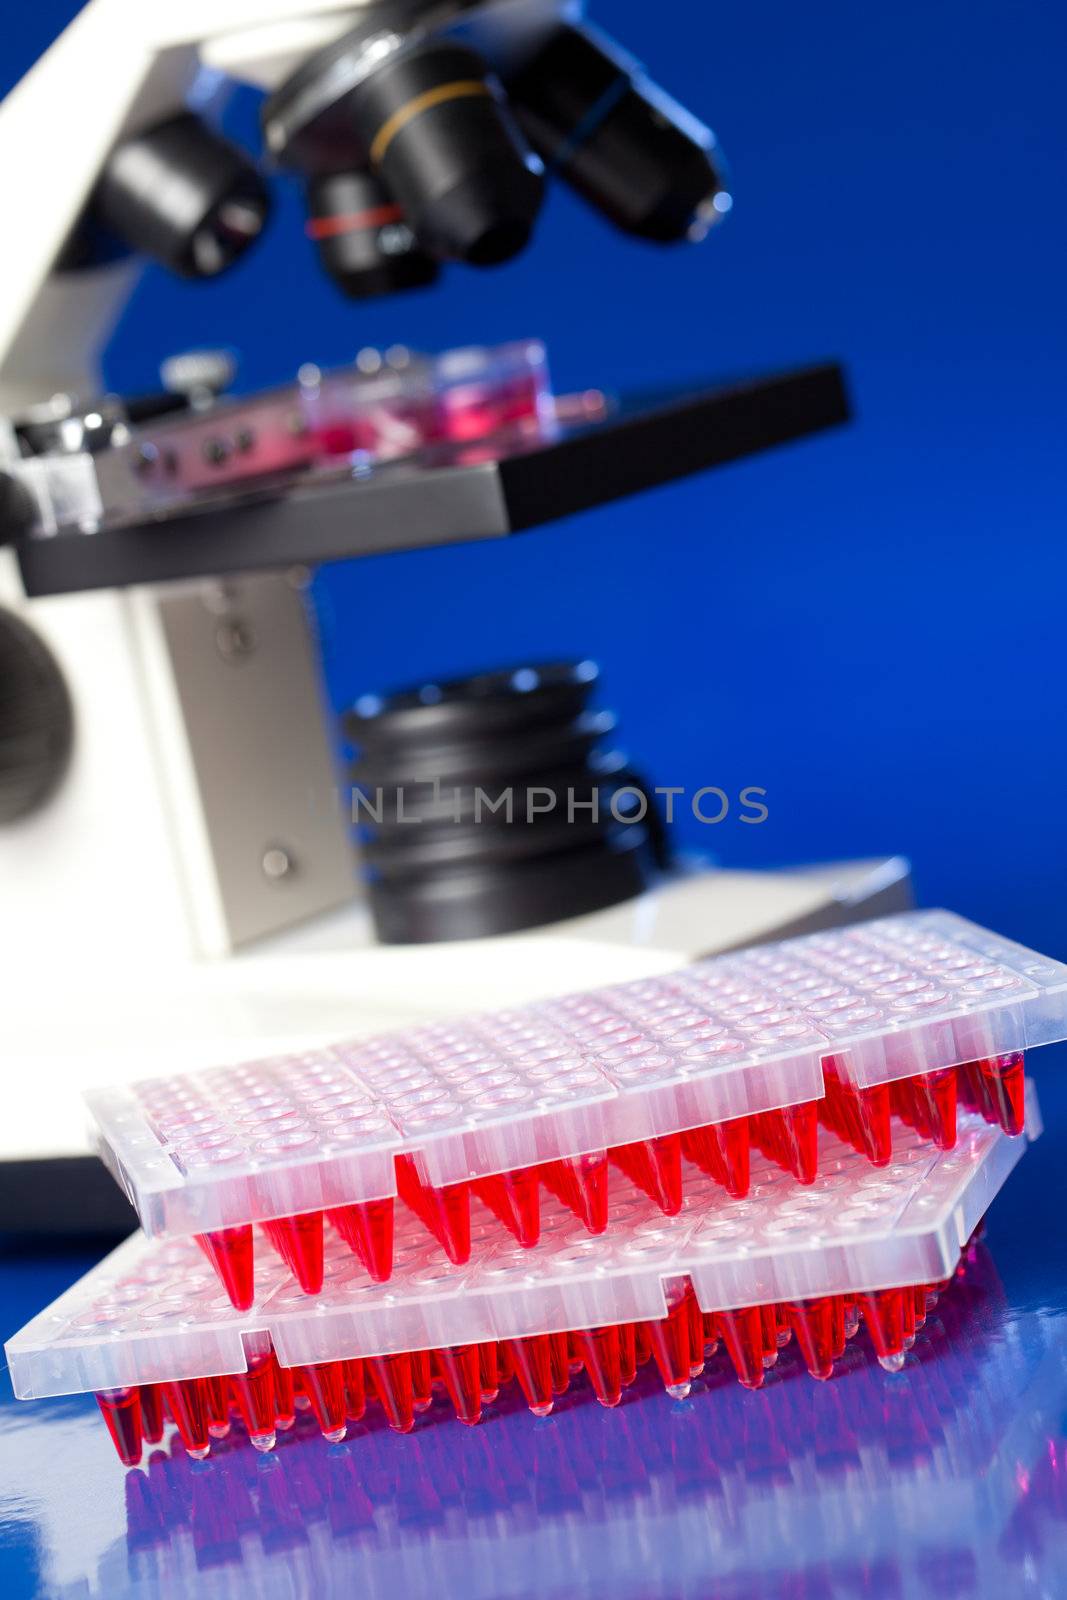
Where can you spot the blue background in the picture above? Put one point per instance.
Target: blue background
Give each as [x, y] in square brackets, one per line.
[869, 625]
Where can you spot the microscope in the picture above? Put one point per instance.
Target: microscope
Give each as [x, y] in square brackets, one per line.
[179, 884]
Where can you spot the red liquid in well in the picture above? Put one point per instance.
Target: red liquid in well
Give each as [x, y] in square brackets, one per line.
[790, 1138]
[254, 1392]
[298, 1240]
[121, 1410]
[514, 1198]
[459, 1369]
[669, 1339]
[446, 1212]
[581, 1183]
[489, 1371]
[721, 1150]
[354, 1384]
[533, 1369]
[655, 1166]
[391, 1377]
[543, 1366]
[152, 1418]
[187, 1404]
[324, 1386]
[598, 1349]
[368, 1230]
[217, 1401]
[230, 1252]
[742, 1334]
[1005, 1082]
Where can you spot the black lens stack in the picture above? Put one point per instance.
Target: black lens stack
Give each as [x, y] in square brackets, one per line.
[182, 195]
[489, 804]
[365, 242]
[624, 145]
[442, 139]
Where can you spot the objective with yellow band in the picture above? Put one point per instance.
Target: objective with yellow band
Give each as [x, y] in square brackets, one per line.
[417, 151]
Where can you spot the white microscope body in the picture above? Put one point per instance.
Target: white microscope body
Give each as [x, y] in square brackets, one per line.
[185, 830]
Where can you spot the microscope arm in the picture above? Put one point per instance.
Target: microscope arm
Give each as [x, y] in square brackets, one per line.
[120, 65]
[56, 129]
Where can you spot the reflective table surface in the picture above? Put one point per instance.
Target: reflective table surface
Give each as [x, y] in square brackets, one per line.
[948, 1478]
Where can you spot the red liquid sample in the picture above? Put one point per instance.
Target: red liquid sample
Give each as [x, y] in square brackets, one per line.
[152, 1419]
[459, 1369]
[323, 1384]
[230, 1252]
[742, 1334]
[284, 1399]
[298, 1240]
[217, 1401]
[533, 1369]
[391, 1376]
[121, 1410]
[813, 1323]
[542, 1365]
[669, 1339]
[421, 1380]
[927, 1103]
[355, 1390]
[368, 1230]
[489, 1371]
[187, 1404]
[599, 1351]
[561, 1366]
[655, 1166]
[721, 1151]
[254, 1391]
[581, 1183]
[859, 1116]
[1005, 1080]
[446, 1212]
[883, 1312]
[514, 1198]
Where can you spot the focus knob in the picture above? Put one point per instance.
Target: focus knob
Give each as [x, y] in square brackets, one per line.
[36, 720]
[16, 508]
[200, 376]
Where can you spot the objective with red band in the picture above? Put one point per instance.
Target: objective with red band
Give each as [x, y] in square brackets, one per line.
[364, 241]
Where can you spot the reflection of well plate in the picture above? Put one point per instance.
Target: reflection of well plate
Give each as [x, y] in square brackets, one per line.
[954, 1465]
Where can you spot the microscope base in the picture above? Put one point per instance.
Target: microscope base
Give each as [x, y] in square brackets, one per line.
[330, 980]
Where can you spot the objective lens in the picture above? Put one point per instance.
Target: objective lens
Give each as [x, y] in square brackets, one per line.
[439, 133]
[433, 125]
[184, 196]
[620, 141]
[365, 242]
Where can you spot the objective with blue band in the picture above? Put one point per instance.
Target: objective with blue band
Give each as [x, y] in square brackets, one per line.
[628, 148]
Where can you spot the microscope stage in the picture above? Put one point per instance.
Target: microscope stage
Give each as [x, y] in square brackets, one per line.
[449, 495]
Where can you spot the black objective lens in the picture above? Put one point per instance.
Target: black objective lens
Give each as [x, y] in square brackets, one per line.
[433, 124]
[184, 196]
[364, 240]
[619, 140]
[443, 140]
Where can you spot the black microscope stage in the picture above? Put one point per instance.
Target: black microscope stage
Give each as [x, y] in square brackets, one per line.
[449, 498]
